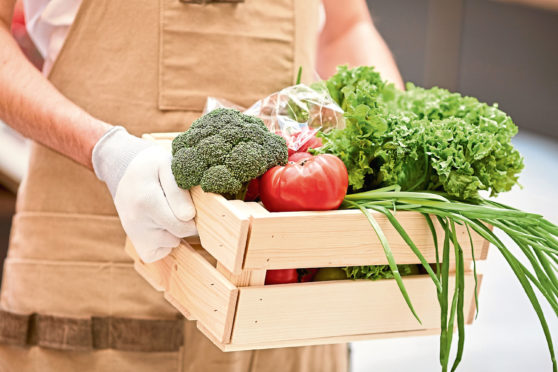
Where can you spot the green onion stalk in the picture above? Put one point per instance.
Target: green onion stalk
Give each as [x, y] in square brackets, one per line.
[536, 237]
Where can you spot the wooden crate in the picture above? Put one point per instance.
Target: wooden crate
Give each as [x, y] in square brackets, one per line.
[218, 280]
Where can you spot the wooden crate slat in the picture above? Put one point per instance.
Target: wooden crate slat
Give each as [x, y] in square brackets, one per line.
[156, 274]
[316, 341]
[223, 230]
[245, 278]
[341, 238]
[203, 291]
[193, 286]
[321, 309]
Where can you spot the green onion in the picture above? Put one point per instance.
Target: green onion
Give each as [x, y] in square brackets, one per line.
[391, 260]
[536, 237]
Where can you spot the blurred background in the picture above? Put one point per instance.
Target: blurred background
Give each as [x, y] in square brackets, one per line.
[499, 51]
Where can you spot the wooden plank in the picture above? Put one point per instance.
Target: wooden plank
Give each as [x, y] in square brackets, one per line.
[328, 309]
[192, 285]
[316, 341]
[157, 274]
[204, 292]
[223, 229]
[341, 238]
[245, 278]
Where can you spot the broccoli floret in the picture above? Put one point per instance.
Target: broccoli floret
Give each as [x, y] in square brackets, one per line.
[247, 161]
[209, 120]
[255, 120]
[187, 167]
[214, 149]
[191, 137]
[178, 143]
[279, 153]
[220, 180]
[225, 149]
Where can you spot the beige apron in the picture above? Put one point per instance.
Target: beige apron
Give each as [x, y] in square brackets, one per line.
[71, 300]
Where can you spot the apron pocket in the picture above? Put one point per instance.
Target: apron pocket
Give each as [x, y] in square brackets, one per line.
[80, 289]
[67, 237]
[240, 52]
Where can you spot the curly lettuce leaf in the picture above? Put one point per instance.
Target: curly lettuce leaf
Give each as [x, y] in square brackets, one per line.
[376, 272]
[420, 139]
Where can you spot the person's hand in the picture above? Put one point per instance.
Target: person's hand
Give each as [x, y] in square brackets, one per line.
[154, 211]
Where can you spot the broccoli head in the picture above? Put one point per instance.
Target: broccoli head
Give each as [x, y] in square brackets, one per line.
[225, 149]
[187, 167]
[220, 180]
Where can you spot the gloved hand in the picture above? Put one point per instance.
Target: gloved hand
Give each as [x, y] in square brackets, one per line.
[154, 211]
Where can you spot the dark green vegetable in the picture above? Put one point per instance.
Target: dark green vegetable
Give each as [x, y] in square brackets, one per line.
[223, 150]
[420, 139]
[376, 272]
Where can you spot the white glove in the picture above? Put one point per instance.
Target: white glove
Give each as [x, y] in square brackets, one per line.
[154, 211]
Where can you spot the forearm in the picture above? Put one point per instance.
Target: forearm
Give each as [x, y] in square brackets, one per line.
[31, 104]
[349, 37]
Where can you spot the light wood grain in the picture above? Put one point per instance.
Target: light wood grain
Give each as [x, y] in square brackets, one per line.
[325, 309]
[245, 278]
[223, 230]
[194, 287]
[341, 238]
[156, 274]
[316, 341]
[203, 291]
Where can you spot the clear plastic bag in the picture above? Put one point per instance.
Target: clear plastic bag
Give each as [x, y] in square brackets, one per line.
[296, 112]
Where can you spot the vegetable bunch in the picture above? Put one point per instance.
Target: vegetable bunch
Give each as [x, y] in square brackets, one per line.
[432, 151]
[420, 139]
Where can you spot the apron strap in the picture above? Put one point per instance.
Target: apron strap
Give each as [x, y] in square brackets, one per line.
[66, 333]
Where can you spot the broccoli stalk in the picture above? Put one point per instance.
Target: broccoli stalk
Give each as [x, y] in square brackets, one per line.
[223, 151]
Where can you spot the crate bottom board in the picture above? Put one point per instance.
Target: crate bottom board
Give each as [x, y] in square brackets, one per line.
[315, 341]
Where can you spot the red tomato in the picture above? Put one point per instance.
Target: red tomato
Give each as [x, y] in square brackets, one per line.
[299, 156]
[313, 143]
[253, 190]
[315, 184]
[281, 276]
